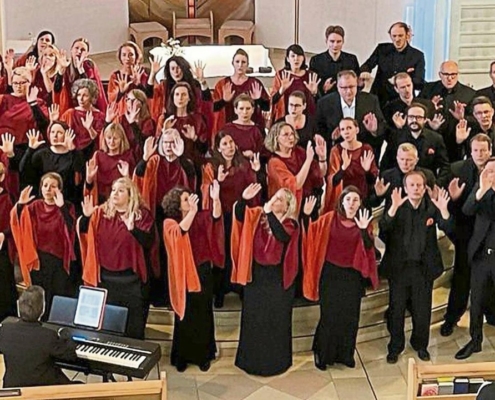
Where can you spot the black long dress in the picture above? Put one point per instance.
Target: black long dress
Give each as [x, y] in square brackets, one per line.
[265, 343]
[8, 292]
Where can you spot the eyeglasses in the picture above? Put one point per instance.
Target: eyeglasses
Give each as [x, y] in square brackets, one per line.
[415, 117]
[19, 83]
[449, 75]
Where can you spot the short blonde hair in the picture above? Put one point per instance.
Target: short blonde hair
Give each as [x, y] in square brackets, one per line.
[23, 72]
[271, 139]
[115, 129]
[408, 147]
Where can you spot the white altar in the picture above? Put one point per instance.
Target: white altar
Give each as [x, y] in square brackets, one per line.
[218, 59]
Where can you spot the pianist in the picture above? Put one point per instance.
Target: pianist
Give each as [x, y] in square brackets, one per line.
[29, 349]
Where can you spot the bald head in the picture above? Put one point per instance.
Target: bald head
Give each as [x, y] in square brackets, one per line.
[449, 74]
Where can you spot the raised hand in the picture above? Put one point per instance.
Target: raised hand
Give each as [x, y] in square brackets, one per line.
[248, 154]
[437, 102]
[215, 190]
[256, 91]
[399, 120]
[370, 123]
[54, 112]
[199, 70]
[112, 112]
[87, 206]
[346, 159]
[155, 64]
[122, 83]
[7, 144]
[58, 198]
[193, 203]
[436, 122]
[132, 114]
[34, 139]
[169, 122]
[128, 220]
[363, 219]
[87, 121]
[455, 190]
[336, 133]
[320, 147]
[433, 193]
[227, 92]
[123, 167]
[2, 239]
[442, 200]
[70, 136]
[32, 94]
[286, 80]
[221, 173]
[25, 196]
[381, 187]
[31, 63]
[397, 199]
[91, 170]
[63, 59]
[328, 85]
[8, 61]
[45, 66]
[310, 153]
[312, 84]
[459, 110]
[267, 208]
[178, 146]
[486, 180]
[251, 191]
[462, 131]
[255, 162]
[366, 160]
[189, 132]
[149, 148]
[137, 74]
[365, 76]
[309, 205]
[79, 62]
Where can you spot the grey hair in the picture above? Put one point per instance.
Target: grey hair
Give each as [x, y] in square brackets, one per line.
[85, 84]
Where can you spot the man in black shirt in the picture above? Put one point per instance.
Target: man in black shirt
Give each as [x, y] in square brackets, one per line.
[412, 260]
[329, 63]
[392, 58]
[490, 90]
[481, 253]
[452, 99]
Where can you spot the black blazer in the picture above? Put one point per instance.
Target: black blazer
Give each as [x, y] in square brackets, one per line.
[329, 114]
[29, 351]
[392, 232]
[484, 211]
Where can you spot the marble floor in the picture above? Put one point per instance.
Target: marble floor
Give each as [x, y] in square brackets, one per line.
[372, 379]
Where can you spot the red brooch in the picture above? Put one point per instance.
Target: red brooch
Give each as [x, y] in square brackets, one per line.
[431, 151]
[430, 222]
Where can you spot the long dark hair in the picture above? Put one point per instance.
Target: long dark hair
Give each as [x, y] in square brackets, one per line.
[171, 107]
[34, 52]
[171, 202]
[187, 75]
[217, 158]
[296, 49]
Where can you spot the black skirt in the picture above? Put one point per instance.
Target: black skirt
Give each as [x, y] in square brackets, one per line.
[341, 290]
[194, 336]
[265, 343]
[8, 292]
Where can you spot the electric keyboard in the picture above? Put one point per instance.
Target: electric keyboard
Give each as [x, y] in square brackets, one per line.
[103, 354]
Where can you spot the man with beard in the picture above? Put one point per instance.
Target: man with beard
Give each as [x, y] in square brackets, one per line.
[460, 180]
[392, 58]
[431, 147]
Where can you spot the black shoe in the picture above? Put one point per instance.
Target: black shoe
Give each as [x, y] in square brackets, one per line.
[205, 367]
[350, 364]
[319, 364]
[392, 358]
[447, 328]
[424, 355]
[181, 367]
[468, 350]
[219, 300]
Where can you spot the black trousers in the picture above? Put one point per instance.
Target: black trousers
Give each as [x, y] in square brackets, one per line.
[411, 285]
[482, 277]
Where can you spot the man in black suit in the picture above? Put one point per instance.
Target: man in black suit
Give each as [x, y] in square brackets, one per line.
[329, 63]
[412, 260]
[490, 90]
[29, 349]
[431, 147]
[392, 58]
[460, 180]
[347, 102]
[481, 253]
[452, 99]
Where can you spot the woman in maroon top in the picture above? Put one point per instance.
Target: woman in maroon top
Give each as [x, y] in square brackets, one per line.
[351, 163]
[294, 76]
[234, 173]
[339, 259]
[246, 134]
[121, 233]
[44, 234]
[180, 115]
[194, 241]
[265, 258]
[136, 121]
[112, 161]
[229, 88]
[8, 291]
[85, 119]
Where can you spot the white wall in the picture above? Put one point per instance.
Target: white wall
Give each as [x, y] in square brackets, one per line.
[103, 22]
[274, 22]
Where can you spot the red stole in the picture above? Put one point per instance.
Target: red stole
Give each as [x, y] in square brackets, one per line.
[74, 118]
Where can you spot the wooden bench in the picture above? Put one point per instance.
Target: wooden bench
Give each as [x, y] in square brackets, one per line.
[242, 29]
[136, 390]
